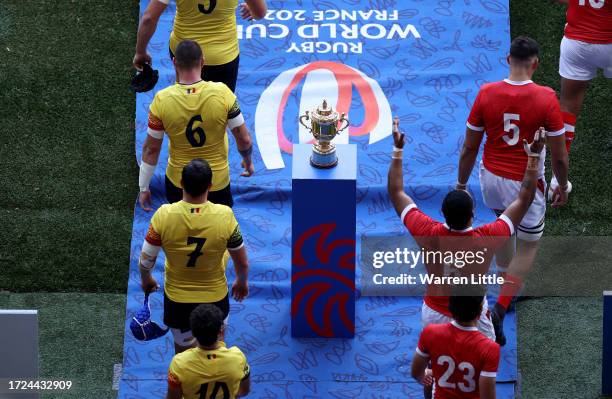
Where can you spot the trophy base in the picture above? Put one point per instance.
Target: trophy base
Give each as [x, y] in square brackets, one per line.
[323, 160]
[325, 165]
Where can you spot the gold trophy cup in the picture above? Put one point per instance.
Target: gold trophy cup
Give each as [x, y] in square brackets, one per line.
[324, 127]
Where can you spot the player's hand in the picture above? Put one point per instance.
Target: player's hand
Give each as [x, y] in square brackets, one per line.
[140, 59]
[149, 284]
[428, 379]
[249, 169]
[535, 147]
[144, 198]
[559, 197]
[240, 290]
[398, 137]
[245, 12]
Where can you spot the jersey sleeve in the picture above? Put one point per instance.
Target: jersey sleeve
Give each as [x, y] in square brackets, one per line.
[155, 123]
[502, 227]
[490, 361]
[174, 379]
[246, 369]
[423, 344]
[475, 119]
[234, 237]
[554, 118]
[154, 232]
[418, 223]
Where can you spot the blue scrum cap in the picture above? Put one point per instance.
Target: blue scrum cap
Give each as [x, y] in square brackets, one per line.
[143, 328]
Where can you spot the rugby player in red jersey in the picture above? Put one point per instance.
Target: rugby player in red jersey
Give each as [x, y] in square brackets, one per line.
[458, 210]
[508, 112]
[585, 48]
[463, 361]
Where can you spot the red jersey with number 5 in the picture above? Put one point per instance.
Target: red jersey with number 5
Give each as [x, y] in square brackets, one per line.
[459, 356]
[589, 21]
[509, 112]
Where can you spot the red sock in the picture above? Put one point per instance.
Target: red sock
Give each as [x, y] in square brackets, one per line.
[511, 287]
[569, 120]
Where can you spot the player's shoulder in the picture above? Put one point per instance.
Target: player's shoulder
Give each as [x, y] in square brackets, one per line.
[436, 330]
[220, 209]
[543, 90]
[164, 93]
[217, 87]
[489, 87]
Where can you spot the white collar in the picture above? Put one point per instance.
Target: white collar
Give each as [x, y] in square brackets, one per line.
[459, 231]
[459, 326]
[517, 82]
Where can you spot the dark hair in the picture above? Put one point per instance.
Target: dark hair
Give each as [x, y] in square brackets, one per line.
[206, 321]
[196, 177]
[188, 54]
[465, 302]
[458, 209]
[524, 48]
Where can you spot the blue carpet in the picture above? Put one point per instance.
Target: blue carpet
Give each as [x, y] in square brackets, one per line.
[430, 84]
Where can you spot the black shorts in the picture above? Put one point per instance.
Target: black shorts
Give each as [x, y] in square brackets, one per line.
[176, 314]
[223, 196]
[224, 73]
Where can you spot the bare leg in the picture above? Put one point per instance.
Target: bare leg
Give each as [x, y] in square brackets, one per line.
[572, 95]
[504, 256]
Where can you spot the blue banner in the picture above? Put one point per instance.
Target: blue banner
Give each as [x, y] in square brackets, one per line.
[422, 61]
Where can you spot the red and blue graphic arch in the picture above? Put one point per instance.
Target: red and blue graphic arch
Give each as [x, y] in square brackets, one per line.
[328, 80]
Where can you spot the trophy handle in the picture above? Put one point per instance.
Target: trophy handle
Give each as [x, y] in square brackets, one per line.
[343, 118]
[307, 117]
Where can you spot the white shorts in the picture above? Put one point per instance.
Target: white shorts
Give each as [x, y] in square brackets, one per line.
[581, 60]
[498, 193]
[485, 325]
[186, 338]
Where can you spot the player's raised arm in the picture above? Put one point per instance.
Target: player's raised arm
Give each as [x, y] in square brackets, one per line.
[518, 208]
[469, 153]
[146, 29]
[395, 178]
[253, 9]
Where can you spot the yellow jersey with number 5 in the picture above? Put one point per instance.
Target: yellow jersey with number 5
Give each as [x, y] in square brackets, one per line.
[195, 118]
[195, 239]
[204, 373]
[211, 23]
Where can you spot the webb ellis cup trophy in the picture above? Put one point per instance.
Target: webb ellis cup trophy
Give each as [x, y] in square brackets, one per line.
[324, 127]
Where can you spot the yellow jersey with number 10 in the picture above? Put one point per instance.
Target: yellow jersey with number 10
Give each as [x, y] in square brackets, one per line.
[195, 239]
[209, 373]
[211, 23]
[195, 117]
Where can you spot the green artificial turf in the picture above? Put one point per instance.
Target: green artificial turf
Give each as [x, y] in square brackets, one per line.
[81, 338]
[69, 173]
[66, 144]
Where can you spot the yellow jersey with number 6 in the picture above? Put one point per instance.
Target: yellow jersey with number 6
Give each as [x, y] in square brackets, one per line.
[211, 23]
[195, 239]
[209, 373]
[195, 118]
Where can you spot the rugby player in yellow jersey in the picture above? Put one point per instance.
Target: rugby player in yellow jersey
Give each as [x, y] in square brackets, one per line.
[212, 23]
[196, 236]
[210, 370]
[194, 114]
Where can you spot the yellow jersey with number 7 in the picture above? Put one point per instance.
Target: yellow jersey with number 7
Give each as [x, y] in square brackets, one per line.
[195, 118]
[211, 23]
[195, 239]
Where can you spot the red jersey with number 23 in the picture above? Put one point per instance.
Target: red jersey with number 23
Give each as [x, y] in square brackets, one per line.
[589, 21]
[459, 356]
[509, 112]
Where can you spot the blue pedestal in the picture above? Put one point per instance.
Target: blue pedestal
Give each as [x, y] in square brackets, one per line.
[323, 245]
